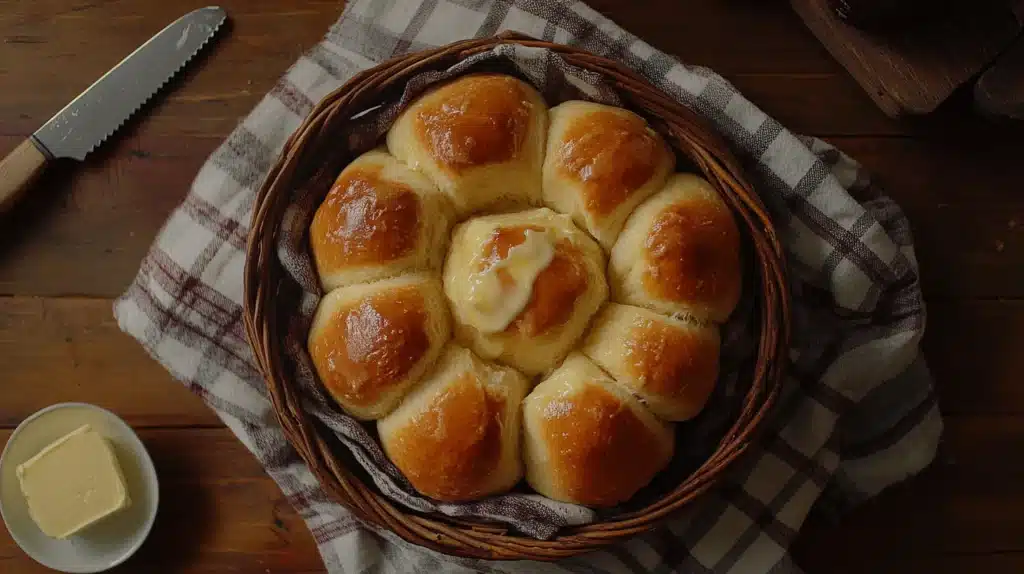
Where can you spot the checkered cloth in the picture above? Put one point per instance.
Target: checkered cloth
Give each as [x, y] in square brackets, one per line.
[858, 410]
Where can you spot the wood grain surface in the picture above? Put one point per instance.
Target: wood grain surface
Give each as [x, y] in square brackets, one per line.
[18, 171]
[912, 65]
[74, 244]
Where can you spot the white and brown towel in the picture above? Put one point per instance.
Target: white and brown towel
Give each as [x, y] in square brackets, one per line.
[858, 412]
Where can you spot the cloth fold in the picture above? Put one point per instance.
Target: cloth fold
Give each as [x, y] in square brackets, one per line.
[857, 413]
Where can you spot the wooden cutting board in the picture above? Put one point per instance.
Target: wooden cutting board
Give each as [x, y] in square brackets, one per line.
[910, 71]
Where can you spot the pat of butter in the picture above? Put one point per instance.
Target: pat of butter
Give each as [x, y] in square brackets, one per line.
[73, 483]
[499, 293]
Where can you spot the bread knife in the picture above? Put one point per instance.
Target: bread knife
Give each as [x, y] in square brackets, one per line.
[102, 108]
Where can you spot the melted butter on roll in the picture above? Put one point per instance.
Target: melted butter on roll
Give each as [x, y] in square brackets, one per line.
[499, 293]
[532, 272]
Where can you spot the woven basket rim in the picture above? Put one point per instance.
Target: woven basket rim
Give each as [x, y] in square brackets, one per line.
[687, 133]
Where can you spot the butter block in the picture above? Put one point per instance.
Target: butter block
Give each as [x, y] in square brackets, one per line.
[73, 483]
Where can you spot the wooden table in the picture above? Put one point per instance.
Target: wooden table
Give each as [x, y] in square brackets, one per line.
[66, 252]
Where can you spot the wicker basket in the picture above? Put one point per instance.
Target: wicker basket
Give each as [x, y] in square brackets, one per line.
[683, 129]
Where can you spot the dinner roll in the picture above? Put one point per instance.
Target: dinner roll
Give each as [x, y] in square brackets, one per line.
[523, 286]
[587, 440]
[601, 162]
[480, 138]
[679, 253]
[456, 436]
[672, 365]
[380, 219]
[371, 342]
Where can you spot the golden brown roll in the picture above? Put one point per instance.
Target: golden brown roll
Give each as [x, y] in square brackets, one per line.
[671, 365]
[456, 435]
[523, 286]
[601, 162]
[380, 219]
[679, 253]
[370, 343]
[587, 440]
[480, 138]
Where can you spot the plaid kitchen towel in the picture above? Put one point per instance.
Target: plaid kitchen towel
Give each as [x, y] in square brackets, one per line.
[858, 412]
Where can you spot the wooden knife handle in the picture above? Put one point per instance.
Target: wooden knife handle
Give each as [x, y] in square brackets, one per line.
[18, 170]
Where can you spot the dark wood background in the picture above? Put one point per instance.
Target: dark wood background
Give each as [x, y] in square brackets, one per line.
[73, 246]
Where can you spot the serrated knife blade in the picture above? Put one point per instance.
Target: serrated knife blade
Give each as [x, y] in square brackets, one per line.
[102, 108]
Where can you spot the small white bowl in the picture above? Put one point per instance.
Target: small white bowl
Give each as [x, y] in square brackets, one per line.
[106, 543]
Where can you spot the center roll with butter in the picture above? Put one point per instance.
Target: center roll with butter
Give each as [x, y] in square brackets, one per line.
[493, 244]
[523, 286]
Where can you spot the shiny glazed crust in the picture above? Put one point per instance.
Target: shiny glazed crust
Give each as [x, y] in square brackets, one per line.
[664, 248]
[679, 253]
[601, 162]
[379, 219]
[587, 440]
[370, 343]
[456, 437]
[480, 138]
[672, 365]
